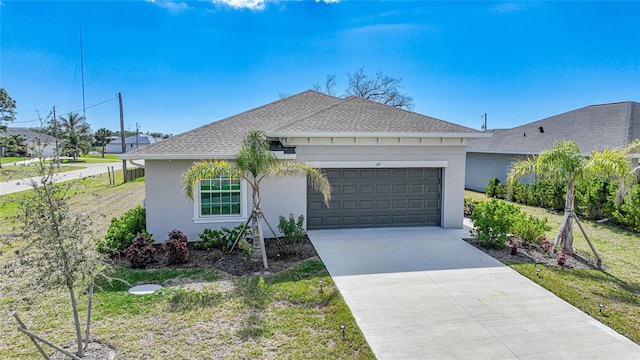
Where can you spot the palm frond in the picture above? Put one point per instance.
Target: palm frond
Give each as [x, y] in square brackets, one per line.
[206, 169]
[613, 164]
[520, 169]
[254, 155]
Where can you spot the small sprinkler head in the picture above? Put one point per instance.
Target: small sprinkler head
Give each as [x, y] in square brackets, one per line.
[343, 327]
[601, 307]
[321, 283]
[538, 272]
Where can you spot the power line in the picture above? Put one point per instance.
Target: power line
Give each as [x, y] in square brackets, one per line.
[69, 112]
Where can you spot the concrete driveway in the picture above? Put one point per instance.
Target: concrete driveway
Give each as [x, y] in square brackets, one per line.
[423, 293]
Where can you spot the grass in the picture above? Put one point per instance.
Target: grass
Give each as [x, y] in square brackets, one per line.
[10, 159]
[283, 316]
[201, 313]
[618, 287]
[9, 173]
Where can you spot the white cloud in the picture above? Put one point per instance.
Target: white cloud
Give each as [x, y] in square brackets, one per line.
[260, 4]
[242, 4]
[170, 5]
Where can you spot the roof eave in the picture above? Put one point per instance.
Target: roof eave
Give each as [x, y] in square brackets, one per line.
[312, 134]
[134, 156]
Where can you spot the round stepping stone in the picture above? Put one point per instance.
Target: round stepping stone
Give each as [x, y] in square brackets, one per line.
[145, 289]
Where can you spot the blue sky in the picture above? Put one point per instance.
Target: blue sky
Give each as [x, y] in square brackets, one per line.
[183, 64]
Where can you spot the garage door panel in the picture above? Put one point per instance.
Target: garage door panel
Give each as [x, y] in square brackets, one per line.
[366, 189]
[366, 204]
[400, 188]
[377, 198]
[383, 204]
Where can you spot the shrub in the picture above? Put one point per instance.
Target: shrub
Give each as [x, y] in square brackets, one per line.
[176, 247]
[122, 231]
[529, 228]
[628, 213]
[140, 253]
[291, 228]
[223, 238]
[469, 205]
[493, 220]
[247, 249]
[519, 192]
[495, 189]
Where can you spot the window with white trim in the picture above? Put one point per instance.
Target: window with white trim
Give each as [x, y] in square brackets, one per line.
[220, 197]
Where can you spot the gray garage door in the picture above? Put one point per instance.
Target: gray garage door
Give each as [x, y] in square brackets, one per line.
[365, 198]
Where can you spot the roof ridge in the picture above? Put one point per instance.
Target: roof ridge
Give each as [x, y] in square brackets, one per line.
[340, 102]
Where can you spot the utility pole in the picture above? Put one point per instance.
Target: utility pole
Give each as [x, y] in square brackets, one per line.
[137, 132]
[124, 146]
[484, 125]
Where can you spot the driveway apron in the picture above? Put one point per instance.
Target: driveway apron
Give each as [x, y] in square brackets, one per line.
[423, 293]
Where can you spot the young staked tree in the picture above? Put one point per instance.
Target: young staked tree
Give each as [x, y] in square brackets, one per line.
[379, 88]
[254, 163]
[564, 162]
[58, 248]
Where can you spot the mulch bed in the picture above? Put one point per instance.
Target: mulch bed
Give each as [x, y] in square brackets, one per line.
[535, 254]
[234, 263]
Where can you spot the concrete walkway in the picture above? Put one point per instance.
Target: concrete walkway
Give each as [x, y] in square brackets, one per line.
[423, 293]
[92, 169]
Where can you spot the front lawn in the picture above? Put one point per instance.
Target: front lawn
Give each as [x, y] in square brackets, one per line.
[203, 313]
[206, 314]
[617, 287]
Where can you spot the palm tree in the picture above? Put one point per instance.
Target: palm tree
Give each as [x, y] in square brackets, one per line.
[254, 163]
[103, 136]
[564, 162]
[76, 134]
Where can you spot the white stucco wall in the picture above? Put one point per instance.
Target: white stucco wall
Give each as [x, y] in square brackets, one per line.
[168, 208]
[483, 166]
[453, 174]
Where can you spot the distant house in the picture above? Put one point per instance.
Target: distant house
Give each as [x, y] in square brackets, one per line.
[131, 142]
[592, 127]
[388, 168]
[35, 142]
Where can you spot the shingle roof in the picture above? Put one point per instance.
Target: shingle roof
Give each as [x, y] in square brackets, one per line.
[307, 112]
[592, 127]
[143, 139]
[28, 135]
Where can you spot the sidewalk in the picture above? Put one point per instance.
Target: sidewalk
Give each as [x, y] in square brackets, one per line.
[9, 187]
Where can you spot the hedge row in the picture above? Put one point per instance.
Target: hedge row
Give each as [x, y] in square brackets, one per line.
[594, 199]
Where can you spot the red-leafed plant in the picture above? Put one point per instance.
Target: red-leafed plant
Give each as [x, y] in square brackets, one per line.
[176, 247]
[140, 253]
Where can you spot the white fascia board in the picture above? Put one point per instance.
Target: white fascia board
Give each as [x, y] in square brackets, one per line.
[285, 134]
[377, 164]
[126, 156]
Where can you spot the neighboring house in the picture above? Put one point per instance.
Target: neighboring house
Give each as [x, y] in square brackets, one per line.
[36, 142]
[131, 142]
[592, 127]
[387, 167]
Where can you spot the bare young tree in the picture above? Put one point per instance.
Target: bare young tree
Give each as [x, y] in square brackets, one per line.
[58, 249]
[379, 88]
